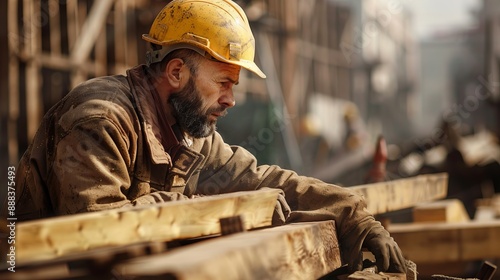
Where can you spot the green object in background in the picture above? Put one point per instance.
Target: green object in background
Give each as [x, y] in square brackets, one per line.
[256, 126]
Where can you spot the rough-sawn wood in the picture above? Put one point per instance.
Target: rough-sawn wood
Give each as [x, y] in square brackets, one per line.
[295, 251]
[403, 193]
[447, 210]
[55, 237]
[448, 242]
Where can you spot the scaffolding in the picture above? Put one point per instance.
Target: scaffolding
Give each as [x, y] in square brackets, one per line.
[53, 45]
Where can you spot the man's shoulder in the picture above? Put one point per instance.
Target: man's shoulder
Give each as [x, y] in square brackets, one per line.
[102, 97]
[104, 86]
[105, 89]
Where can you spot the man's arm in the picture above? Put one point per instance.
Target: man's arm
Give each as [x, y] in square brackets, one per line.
[234, 169]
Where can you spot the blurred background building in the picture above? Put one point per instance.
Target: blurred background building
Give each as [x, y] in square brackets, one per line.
[341, 73]
[423, 74]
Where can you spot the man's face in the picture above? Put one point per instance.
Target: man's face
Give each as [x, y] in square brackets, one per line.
[205, 98]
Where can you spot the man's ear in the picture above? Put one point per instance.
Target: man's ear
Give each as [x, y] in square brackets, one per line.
[173, 72]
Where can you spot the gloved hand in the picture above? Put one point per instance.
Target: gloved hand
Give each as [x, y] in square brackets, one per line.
[387, 254]
[281, 210]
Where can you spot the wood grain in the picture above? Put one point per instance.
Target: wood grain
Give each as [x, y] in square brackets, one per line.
[294, 251]
[50, 238]
[448, 210]
[367, 275]
[448, 242]
[403, 193]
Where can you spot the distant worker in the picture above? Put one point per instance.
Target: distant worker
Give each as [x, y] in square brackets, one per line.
[150, 136]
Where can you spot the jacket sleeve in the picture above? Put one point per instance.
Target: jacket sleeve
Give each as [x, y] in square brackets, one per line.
[91, 169]
[232, 168]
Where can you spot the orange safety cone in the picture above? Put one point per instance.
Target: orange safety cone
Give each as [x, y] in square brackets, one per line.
[378, 171]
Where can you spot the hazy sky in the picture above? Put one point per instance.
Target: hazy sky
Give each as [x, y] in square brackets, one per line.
[441, 15]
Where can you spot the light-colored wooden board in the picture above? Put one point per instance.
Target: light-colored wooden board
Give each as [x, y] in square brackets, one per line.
[480, 148]
[448, 242]
[86, 40]
[487, 208]
[55, 237]
[14, 45]
[33, 84]
[403, 193]
[90, 30]
[448, 210]
[295, 251]
[368, 275]
[370, 272]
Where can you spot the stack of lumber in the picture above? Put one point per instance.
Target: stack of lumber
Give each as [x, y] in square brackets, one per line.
[404, 193]
[447, 210]
[443, 239]
[294, 251]
[217, 237]
[448, 242]
[488, 208]
[57, 237]
[445, 226]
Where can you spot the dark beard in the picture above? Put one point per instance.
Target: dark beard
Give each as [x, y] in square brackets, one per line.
[187, 104]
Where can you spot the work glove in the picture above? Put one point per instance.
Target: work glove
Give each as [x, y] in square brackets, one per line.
[387, 254]
[281, 210]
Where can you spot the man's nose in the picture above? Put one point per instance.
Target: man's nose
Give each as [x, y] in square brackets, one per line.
[227, 99]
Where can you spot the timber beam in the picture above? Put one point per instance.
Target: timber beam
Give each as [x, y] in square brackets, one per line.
[295, 251]
[56, 237]
[448, 242]
[403, 193]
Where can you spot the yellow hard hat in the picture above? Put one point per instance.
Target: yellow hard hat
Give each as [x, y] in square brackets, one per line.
[217, 27]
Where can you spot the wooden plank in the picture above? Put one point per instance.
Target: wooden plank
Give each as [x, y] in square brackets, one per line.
[72, 18]
[370, 271]
[120, 33]
[480, 148]
[91, 29]
[403, 193]
[370, 275]
[64, 63]
[58, 271]
[33, 46]
[90, 264]
[295, 251]
[101, 52]
[131, 56]
[448, 242]
[448, 210]
[55, 237]
[14, 45]
[278, 99]
[55, 26]
[487, 208]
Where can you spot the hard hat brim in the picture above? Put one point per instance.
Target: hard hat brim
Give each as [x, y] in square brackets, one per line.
[247, 64]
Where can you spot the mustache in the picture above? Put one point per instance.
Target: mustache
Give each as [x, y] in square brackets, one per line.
[220, 110]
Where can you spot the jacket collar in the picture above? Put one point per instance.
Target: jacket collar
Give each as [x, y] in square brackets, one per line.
[142, 89]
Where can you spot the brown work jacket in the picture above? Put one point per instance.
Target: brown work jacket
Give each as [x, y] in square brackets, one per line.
[100, 148]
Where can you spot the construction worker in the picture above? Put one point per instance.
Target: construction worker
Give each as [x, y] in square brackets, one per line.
[150, 137]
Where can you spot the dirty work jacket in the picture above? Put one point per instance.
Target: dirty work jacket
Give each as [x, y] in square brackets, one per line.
[99, 148]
